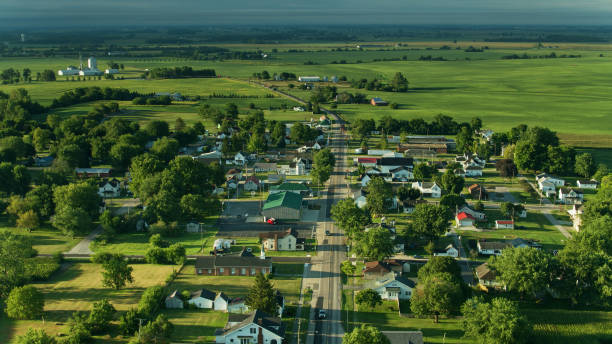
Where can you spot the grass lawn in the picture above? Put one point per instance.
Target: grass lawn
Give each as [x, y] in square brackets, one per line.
[565, 326]
[200, 324]
[536, 225]
[76, 288]
[288, 269]
[138, 243]
[46, 239]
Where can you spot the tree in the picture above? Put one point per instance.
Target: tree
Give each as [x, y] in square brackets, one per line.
[452, 183]
[256, 144]
[116, 271]
[368, 297]
[452, 201]
[585, 165]
[157, 331]
[465, 139]
[375, 244]
[324, 162]
[72, 221]
[82, 195]
[437, 294]
[100, 317]
[128, 322]
[349, 217]
[198, 207]
[399, 83]
[25, 303]
[441, 264]
[121, 154]
[561, 160]
[41, 139]
[506, 168]
[523, 269]
[476, 124]
[378, 195]
[28, 220]
[422, 171]
[348, 268]
[33, 336]
[142, 168]
[531, 151]
[499, 321]
[47, 75]
[14, 250]
[365, 335]
[78, 329]
[165, 148]
[261, 295]
[430, 221]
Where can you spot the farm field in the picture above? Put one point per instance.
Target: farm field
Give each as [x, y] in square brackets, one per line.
[75, 288]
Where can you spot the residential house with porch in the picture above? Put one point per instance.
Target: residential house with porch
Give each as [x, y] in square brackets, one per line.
[257, 327]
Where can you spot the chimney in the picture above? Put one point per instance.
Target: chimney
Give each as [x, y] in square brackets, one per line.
[260, 338]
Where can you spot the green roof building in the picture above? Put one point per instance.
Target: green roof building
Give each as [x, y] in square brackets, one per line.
[283, 206]
[297, 188]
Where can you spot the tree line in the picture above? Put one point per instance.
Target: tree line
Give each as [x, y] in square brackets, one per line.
[179, 72]
[399, 83]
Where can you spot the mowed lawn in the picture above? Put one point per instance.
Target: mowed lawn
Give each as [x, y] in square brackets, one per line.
[138, 243]
[199, 324]
[76, 288]
[45, 240]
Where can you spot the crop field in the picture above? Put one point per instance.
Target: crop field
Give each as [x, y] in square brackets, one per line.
[76, 288]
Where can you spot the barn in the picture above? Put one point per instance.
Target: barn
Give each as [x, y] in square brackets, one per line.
[283, 206]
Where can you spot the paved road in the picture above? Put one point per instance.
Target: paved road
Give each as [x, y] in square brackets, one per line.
[546, 210]
[83, 246]
[324, 274]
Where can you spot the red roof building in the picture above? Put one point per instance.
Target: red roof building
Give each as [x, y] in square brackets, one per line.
[367, 161]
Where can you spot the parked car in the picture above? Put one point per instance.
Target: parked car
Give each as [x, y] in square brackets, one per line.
[327, 232]
[322, 314]
[271, 221]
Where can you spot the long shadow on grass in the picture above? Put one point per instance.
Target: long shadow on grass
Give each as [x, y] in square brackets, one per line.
[430, 89]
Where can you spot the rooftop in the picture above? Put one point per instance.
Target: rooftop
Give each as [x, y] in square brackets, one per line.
[283, 199]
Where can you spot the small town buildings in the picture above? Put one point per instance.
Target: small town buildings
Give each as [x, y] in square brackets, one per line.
[359, 196]
[379, 152]
[404, 337]
[376, 101]
[547, 188]
[234, 173]
[251, 183]
[297, 188]
[256, 327]
[43, 161]
[464, 219]
[108, 188]
[375, 269]
[478, 192]
[386, 164]
[111, 71]
[570, 196]
[93, 172]
[364, 180]
[237, 305]
[283, 206]
[202, 298]
[392, 287]
[410, 205]
[241, 158]
[275, 178]
[587, 184]
[479, 216]
[309, 79]
[281, 241]
[491, 247]
[473, 171]
[243, 264]
[448, 251]
[557, 182]
[221, 302]
[428, 189]
[402, 174]
[486, 276]
[504, 224]
[298, 109]
[174, 300]
[265, 167]
[367, 162]
[71, 70]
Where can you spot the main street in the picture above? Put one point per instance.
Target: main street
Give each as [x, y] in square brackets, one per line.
[324, 276]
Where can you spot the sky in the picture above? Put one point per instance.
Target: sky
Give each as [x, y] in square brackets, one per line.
[88, 13]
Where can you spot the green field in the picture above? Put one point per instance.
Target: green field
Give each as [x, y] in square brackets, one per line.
[568, 95]
[45, 240]
[75, 289]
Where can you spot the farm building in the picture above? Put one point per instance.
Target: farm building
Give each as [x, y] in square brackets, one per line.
[283, 206]
[309, 79]
[499, 224]
[378, 102]
[587, 184]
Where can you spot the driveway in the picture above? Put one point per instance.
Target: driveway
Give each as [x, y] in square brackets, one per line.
[83, 246]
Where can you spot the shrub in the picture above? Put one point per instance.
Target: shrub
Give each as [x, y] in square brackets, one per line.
[150, 301]
[40, 269]
[25, 303]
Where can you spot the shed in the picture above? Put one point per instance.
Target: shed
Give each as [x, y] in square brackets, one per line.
[174, 300]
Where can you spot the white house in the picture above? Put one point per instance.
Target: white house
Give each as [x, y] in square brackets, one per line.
[486, 276]
[109, 188]
[221, 302]
[402, 173]
[491, 247]
[365, 179]
[473, 171]
[475, 214]
[575, 214]
[257, 327]
[501, 224]
[428, 189]
[464, 219]
[449, 251]
[392, 287]
[570, 196]
[557, 182]
[587, 184]
[281, 241]
[309, 79]
[174, 300]
[547, 187]
[298, 109]
[111, 71]
[237, 305]
[240, 158]
[251, 183]
[202, 299]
